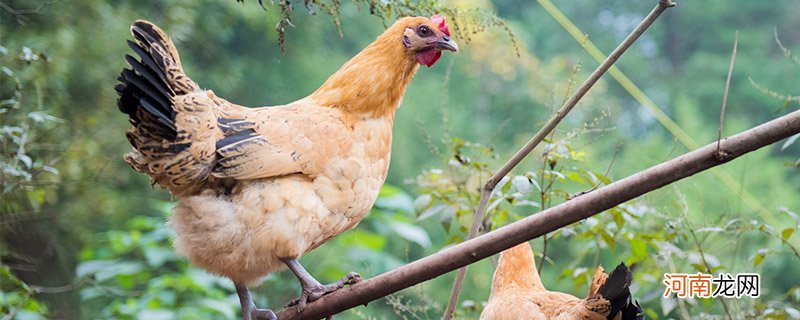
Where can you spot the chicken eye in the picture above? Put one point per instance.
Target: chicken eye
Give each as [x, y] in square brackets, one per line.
[424, 31]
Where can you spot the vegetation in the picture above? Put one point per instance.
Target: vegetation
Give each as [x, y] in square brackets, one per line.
[84, 237]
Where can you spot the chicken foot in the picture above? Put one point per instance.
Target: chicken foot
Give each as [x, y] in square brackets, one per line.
[249, 310]
[312, 289]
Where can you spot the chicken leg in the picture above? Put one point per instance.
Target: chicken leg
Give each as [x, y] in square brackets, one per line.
[312, 289]
[249, 310]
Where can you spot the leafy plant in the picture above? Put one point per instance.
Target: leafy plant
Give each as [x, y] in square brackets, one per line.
[16, 298]
[135, 274]
[26, 169]
[651, 239]
[465, 22]
[23, 157]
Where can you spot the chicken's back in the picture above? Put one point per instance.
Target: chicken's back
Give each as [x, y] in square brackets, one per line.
[512, 305]
[515, 286]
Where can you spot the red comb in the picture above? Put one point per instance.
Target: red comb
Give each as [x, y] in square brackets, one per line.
[439, 19]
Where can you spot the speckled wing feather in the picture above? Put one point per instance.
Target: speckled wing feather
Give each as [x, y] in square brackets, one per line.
[276, 141]
[188, 139]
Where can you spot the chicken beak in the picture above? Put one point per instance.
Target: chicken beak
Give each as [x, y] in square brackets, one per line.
[447, 43]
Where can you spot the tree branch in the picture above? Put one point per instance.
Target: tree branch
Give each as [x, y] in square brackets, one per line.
[549, 220]
[551, 124]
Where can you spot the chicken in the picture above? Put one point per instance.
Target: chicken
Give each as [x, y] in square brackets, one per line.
[259, 187]
[518, 293]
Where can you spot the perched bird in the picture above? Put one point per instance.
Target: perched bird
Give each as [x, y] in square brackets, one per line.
[518, 293]
[259, 187]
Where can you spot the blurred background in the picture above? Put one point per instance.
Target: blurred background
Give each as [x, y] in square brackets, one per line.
[83, 235]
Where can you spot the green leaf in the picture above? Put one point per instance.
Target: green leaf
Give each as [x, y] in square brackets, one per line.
[25, 160]
[792, 312]
[411, 233]
[790, 141]
[574, 176]
[379, 261]
[667, 305]
[220, 306]
[155, 314]
[786, 233]
[124, 268]
[757, 261]
[362, 238]
[619, 220]
[422, 202]
[522, 184]
[157, 256]
[392, 198]
[638, 249]
[566, 273]
[608, 239]
[201, 277]
[433, 211]
[524, 202]
[767, 229]
[578, 272]
[90, 267]
[759, 258]
[789, 213]
[43, 117]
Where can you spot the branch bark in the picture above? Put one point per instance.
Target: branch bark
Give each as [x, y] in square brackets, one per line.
[551, 124]
[549, 220]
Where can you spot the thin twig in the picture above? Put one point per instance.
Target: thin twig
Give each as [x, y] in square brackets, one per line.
[22, 15]
[605, 176]
[543, 196]
[61, 289]
[536, 139]
[703, 258]
[543, 191]
[725, 96]
[552, 219]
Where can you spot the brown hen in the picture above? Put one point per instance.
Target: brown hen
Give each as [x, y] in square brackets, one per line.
[518, 293]
[259, 187]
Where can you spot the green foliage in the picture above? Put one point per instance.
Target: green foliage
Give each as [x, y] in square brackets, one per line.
[16, 298]
[134, 274]
[26, 167]
[464, 21]
[652, 240]
[787, 99]
[23, 157]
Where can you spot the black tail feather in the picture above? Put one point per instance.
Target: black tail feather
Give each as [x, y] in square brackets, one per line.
[632, 311]
[148, 75]
[148, 61]
[616, 289]
[146, 97]
[143, 91]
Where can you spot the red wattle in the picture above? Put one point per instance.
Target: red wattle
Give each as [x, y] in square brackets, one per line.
[428, 57]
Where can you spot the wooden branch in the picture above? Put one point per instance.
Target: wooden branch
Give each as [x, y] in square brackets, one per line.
[549, 220]
[551, 124]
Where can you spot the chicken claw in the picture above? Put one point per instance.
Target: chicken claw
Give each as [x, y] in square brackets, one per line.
[312, 289]
[249, 310]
